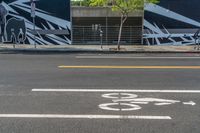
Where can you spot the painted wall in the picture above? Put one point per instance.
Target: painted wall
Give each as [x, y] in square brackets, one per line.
[171, 22]
[52, 22]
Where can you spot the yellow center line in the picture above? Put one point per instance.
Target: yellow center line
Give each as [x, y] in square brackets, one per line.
[130, 67]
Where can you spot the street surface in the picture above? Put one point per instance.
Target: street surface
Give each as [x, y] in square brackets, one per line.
[94, 93]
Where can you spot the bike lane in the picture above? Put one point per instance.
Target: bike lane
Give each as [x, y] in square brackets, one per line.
[102, 105]
[75, 111]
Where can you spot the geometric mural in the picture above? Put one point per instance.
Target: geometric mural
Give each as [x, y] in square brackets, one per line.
[52, 22]
[171, 22]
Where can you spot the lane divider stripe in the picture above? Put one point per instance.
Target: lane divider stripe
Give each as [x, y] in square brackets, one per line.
[62, 116]
[130, 67]
[113, 90]
[129, 57]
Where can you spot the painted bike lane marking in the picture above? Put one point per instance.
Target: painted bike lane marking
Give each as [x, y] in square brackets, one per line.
[131, 102]
[124, 100]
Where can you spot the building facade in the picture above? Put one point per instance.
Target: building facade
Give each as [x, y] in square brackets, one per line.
[171, 22]
[88, 21]
[35, 21]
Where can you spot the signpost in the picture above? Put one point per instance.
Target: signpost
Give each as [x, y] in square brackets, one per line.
[98, 30]
[33, 7]
[101, 36]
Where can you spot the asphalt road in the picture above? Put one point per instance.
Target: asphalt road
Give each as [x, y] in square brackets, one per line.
[88, 93]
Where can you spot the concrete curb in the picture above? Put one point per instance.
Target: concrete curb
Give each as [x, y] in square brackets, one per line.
[68, 51]
[107, 49]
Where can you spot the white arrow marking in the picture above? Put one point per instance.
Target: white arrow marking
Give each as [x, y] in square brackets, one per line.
[189, 103]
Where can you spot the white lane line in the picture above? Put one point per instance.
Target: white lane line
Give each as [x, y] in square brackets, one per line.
[118, 57]
[114, 90]
[62, 116]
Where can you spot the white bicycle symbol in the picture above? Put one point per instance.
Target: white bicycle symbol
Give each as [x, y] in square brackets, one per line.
[131, 102]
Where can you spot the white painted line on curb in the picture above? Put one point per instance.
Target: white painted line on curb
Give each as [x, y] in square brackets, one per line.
[62, 116]
[118, 57]
[114, 90]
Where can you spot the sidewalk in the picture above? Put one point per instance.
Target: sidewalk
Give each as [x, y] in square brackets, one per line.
[97, 48]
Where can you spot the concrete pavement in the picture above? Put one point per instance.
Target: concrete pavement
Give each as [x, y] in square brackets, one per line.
[97, 48]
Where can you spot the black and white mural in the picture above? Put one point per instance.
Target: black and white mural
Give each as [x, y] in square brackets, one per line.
[35, 21]
[171, 22]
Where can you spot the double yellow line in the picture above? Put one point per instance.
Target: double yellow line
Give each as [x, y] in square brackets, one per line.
[129, 67]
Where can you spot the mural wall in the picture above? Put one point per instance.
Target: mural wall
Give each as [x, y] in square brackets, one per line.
[171, 22]
[51, 18]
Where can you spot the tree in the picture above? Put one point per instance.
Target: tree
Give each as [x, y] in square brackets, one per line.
[80, 2]
[124, 7]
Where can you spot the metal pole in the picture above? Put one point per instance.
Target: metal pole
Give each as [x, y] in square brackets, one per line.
[153, 39]
[101, 43]
[142, 34]
[107, 25]
[195, 41]
[33, 16]
[101, 36]
[34, 32]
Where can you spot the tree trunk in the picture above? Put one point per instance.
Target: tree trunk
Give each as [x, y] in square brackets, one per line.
[123, 19]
